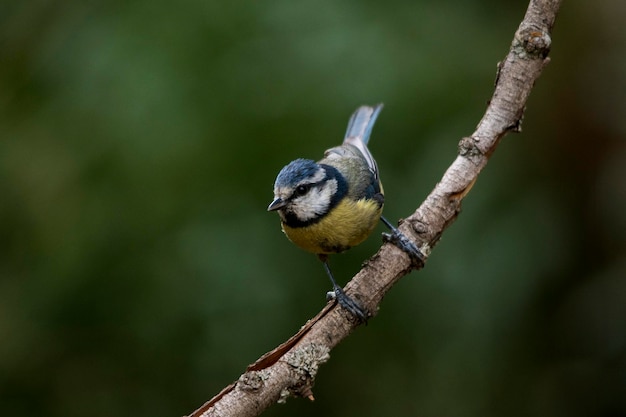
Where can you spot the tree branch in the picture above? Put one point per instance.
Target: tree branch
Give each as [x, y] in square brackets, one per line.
[290, 369]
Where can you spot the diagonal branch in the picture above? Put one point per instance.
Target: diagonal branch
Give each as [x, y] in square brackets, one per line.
[290, 369]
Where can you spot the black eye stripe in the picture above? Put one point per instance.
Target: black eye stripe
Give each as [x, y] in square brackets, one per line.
[302, 189]
[305, 188]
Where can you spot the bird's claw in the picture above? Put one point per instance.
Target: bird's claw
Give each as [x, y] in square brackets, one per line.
[349, 304]
[397, 238]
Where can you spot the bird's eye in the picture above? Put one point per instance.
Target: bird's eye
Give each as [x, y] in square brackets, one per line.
[302, 189]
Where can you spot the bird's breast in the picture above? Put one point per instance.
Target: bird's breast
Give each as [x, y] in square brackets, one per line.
[349, 223]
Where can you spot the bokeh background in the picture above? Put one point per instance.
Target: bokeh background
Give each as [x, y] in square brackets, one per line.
[140, 272]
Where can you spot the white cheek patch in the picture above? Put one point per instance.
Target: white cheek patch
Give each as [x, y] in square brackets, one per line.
[316, 202]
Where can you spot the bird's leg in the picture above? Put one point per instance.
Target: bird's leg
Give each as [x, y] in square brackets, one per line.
[342, 298]
[401, 241]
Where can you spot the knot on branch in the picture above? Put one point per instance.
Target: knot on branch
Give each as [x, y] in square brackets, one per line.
[305, 362]
[253, 380]
[468, 148]
[531, 42]
[307, 359]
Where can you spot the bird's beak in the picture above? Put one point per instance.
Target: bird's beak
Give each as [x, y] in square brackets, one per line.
[277, 204]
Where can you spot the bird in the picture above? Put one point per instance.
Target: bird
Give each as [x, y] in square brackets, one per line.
[329, 206]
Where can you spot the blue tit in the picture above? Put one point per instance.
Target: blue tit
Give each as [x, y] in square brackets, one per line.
[329, 206]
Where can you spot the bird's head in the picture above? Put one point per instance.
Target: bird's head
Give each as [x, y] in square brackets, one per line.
[305, 191]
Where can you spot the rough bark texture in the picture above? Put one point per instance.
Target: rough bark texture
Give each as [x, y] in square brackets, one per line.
[290, 369]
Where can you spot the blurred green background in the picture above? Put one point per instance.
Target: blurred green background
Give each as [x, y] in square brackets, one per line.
[140, 272]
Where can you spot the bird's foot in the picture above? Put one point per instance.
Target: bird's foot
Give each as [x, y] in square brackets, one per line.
[397, 238]
[347, 303]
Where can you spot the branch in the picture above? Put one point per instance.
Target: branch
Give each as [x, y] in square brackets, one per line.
[290, 369]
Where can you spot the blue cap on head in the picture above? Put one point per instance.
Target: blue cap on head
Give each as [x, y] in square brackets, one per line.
[295, 172]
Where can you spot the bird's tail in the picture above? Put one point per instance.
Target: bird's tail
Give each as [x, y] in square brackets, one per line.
[362, 121]
[359, 131]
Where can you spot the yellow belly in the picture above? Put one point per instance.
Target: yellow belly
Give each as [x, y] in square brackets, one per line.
[347, 225]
